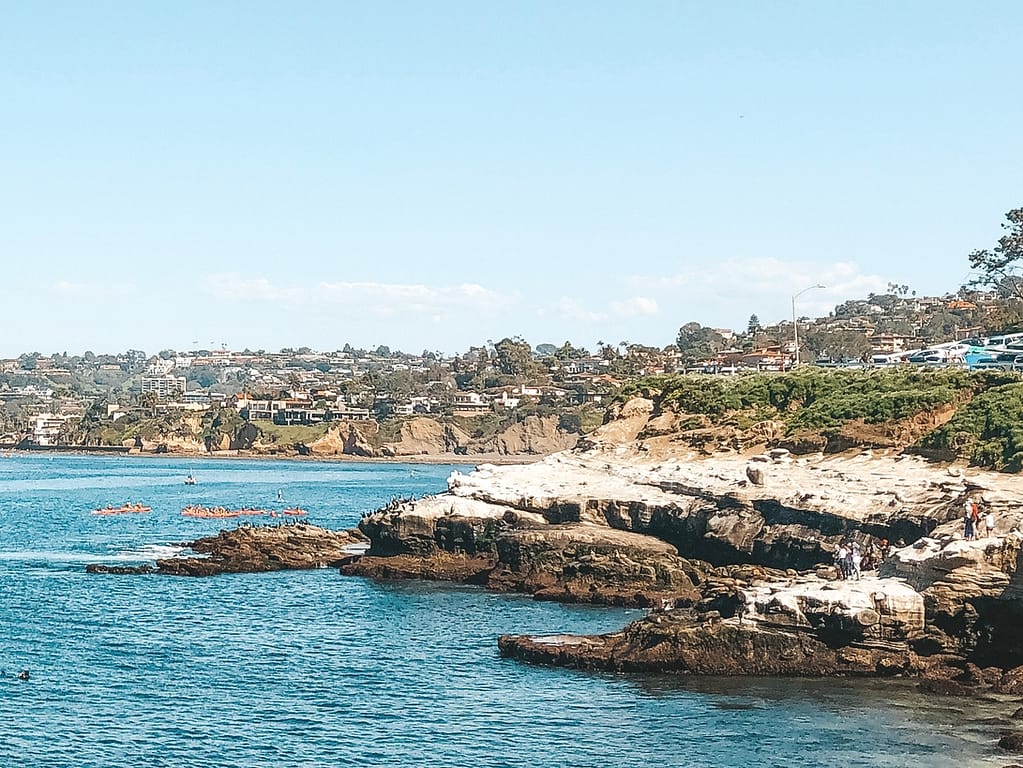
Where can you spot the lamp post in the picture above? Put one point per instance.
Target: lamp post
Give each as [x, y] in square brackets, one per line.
[795, 324]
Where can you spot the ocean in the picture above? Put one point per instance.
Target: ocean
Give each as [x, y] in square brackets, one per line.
[315, 669]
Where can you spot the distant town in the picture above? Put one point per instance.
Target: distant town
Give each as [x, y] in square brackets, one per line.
[61, 399]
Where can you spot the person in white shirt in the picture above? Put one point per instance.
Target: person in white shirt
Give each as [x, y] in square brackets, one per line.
[989, 523]
[855, 558]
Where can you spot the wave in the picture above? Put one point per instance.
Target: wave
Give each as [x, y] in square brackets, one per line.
[145, 552]
[154, 552]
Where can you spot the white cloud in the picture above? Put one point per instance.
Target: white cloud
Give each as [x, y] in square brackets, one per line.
[735, 287]
[637, 305]
[233, 286]
[569, 309]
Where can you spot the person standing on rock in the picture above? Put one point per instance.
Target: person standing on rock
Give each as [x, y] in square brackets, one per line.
[989, 523]
[841, 560]
[855, 560]
[968, 520]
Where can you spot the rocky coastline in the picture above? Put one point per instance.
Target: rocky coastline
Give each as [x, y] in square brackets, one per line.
[733, 554]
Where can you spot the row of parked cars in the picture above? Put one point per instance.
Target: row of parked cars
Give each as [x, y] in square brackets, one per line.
[1004, 352]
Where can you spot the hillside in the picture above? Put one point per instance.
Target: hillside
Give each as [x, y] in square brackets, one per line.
[946, 414]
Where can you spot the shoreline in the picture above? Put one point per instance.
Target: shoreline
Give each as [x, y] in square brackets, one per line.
[446, 458]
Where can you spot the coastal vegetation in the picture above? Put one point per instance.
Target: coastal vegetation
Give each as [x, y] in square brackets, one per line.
[957, 414]
[988, 430]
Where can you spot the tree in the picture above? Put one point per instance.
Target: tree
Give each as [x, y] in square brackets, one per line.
[545, 350]
[1001, 268]
[836, 345]
[754, 327]
[514, 357]
[568, 352]
[698, 342]
[895, 289]
[147, 401]
[606, 351]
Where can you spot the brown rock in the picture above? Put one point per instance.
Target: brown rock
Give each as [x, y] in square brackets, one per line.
[672, 642]
[133, 570]
[257, 549]
[438, 566]
[1012, 682]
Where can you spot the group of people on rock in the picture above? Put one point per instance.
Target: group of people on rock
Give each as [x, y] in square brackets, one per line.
[852, 558]
[973, 521]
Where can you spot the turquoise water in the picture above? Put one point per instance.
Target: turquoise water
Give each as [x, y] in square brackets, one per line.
[314, 669]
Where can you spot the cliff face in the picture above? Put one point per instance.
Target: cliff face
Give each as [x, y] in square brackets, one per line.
[533, 436]
[347, 438]
[426, 436]
[418, 436]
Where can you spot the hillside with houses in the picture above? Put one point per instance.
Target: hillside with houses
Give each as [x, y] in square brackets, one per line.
[359, 402]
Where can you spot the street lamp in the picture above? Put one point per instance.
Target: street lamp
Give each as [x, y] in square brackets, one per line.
[795, 324]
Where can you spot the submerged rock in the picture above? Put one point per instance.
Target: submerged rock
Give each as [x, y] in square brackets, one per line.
[133, 570]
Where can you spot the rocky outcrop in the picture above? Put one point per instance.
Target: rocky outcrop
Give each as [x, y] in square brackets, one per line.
[582, 563]
[973, 590]
[255, 549]
[805, 627]
[944, 609]
[440, 566]
[475, 543]
[121, 570]
[792, 516]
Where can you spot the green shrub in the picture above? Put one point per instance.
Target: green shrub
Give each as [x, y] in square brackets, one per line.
[988, 430]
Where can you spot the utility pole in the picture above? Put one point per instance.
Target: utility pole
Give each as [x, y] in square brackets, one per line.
[795, 323]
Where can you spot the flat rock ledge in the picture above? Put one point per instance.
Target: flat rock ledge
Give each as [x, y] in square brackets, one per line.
[806, 626]
[254, 549]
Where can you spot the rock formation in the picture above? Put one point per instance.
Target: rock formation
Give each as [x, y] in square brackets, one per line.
[632, 517]
[254, 549]
[346, 438]
[806, 627]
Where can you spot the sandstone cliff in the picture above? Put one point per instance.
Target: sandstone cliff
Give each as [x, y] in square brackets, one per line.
[425, 436]
[533, 436]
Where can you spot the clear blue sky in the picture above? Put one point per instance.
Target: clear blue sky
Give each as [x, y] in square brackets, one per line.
[436, 174]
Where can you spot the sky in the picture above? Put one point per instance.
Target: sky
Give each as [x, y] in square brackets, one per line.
[431, 176]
